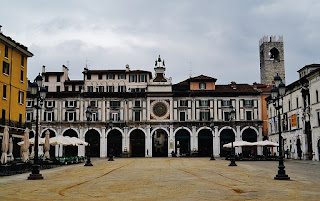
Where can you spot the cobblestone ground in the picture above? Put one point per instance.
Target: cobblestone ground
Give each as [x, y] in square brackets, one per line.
[167, 179]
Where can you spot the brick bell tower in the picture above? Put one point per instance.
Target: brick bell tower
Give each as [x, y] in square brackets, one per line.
[271, 59]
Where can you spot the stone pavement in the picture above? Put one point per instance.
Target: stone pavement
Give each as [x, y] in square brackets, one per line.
[168, 179]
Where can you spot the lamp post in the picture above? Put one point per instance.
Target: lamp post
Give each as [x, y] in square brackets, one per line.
[212, 127]
[277, 92]
[110, 125]
[232, 115]
[89, 116]
[39, 93]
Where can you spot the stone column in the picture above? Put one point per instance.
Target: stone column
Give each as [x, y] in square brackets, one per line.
[170, 140]
[148, 149]
[216, 142]
[103, 144]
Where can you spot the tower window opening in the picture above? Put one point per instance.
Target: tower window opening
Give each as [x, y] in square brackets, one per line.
[274, 54]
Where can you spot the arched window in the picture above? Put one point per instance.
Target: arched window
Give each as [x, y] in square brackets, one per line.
[274, 54]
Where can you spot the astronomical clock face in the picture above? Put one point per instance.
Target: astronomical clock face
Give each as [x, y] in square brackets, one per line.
[160, 109]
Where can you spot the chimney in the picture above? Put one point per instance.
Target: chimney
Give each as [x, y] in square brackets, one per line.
[43, 69]
[127, 68]
[0, 29]
[65, 71]
[233, 85]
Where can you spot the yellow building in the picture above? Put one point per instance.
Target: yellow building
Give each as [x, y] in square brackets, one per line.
[13, 83]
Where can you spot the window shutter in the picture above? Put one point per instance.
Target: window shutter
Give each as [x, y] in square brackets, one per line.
[53, 114]
[45, 116]
[110, 116]
[75, 103]
[66, 104]
[54, 103]
[66, 116]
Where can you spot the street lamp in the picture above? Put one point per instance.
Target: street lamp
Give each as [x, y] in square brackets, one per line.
[212, 127]
[232, 116]
[89, 117]
[39, 93]
[277, 92]
[110, 125]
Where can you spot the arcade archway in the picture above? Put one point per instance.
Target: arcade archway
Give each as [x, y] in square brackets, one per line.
[226, 136]
[182, 139]
[205, 141]
[249, 135]
[137, 143]
[70, 150]
[160, 143]
[114, 143]
[93, 138]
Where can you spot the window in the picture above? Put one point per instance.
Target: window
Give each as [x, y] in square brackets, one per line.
[20, 120]
[29, 103]
[297, 101]
[204, 103]
[100, 76]
[137, 116]
[58, 78]
[249, 115]
[183, 103]
[248, 103]
[89, 76]
[317, 96]
[115, 104]
[133, 78]
[95, 116]
[226, 116]
[274, 54]
[93, 104]
[225, 103]
[80, 88]
[202, 86]
[137, 103]
[3, 116]
[111, 77]
[46, 78]
[71, 103]
[121, 88]
[73, 87]
[70, 116]
[318, 116]
[21, 97]
[5, 68]
[110, 88]
[21, 76]
[29, 116]
[114, 116]
[49, 104]
[121, 77]
[100, 89]
[4, 94]
[22, 61]
[142, 78]
[182, 116]
[6, 51]
[204, 115]
[48, 116]
[90, 88]
[66, 88]
[58, 88]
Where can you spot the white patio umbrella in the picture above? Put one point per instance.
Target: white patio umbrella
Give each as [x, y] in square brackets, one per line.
[25, 148]
[62, 140]
[5, 144]
[79, 142]
[266, 143]
[10, 154]
[47, 144]
[238, 144]
[31, 141]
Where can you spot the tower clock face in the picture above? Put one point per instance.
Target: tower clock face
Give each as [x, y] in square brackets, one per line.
[159, 109]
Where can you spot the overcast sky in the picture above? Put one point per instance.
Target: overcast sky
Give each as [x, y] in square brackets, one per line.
[215, 38]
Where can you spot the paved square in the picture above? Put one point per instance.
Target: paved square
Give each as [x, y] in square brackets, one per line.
[168, 179]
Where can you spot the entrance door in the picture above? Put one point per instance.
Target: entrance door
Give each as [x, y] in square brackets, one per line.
[205, 141]
[183, 139]
[160, 144]
[226, 137]
[137, 143]
[93, 138]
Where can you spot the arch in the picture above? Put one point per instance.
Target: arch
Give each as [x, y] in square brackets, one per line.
[205, 142]
[131, 130]
[184, 139]
[274, 54]
[249, 135]
[227, 127]
[227, 135]
[70, 150]
[50, 129]
[62, 133]
[249, 127]
[186, 128]
[160, 142]
[137, 143]
[31, 134]
[157, 128]
[202, 128]
[93, 137]
[92, 128]
[114, 142]
[114, 128]
[318, 145]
